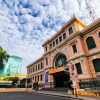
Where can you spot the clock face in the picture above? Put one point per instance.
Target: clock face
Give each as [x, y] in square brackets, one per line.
[60, 62]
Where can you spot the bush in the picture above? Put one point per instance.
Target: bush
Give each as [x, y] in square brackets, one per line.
[68, 84]
[36, 86]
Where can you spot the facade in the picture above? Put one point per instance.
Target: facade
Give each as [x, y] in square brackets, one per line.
[13, 65]
[74, 48]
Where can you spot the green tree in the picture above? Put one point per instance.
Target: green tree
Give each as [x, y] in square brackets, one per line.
[3, 57]
[15, 80]
[23, 82]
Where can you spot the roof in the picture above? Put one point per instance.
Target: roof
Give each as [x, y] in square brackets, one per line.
[69, 22]
[35, 61]
[19, 75]
[92, 26]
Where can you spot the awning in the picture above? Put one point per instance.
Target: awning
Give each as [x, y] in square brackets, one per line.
[55, 70]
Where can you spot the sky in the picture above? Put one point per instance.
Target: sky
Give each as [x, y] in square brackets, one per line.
[26, 24]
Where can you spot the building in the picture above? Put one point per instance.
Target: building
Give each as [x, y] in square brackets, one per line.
[13, 65]
[74, 48]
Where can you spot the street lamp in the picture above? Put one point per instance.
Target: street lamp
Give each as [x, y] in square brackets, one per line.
[26, 84]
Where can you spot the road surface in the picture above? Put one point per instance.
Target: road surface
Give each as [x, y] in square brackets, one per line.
[30, 96]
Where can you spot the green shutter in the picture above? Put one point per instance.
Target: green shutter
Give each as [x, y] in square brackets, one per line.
[60, 38]
[64, 36]
[90, 43]
[56, 41]
[96, 64]
[74, 48]
[70, 30]
[78, 67]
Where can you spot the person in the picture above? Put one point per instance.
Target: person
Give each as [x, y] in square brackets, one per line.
[37, 86]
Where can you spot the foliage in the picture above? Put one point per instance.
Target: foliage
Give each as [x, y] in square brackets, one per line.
[6, 77]
[15, 80]
[68, 84]
[3, 57]
[23, 81]
[28, 80]
[35, 86]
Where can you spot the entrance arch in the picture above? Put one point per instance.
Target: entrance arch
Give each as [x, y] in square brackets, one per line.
[60, 77]
[59, 60]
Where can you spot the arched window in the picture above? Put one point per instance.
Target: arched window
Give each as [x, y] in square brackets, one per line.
[96, 63]
[61, 60]
[90, 43]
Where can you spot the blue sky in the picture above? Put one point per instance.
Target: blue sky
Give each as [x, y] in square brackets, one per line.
[26, 24]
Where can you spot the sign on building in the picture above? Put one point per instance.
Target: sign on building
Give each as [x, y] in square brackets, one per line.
[46, 77]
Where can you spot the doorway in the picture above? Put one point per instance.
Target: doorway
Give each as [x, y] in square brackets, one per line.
[60, 78]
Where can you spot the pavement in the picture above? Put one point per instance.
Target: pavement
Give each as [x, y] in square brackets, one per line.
[30, 96]
[64, 94]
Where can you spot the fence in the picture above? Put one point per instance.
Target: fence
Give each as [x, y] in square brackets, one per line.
[93, 84]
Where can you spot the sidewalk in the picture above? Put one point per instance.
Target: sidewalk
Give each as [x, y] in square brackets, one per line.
[64, 94]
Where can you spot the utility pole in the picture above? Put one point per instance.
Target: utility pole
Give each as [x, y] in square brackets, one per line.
[91, 11]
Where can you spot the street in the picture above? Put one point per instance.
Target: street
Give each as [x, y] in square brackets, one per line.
[30, 96]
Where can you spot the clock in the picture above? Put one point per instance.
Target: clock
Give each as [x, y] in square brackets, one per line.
[60, 62]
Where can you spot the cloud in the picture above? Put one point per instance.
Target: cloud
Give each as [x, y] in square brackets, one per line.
[26, 24]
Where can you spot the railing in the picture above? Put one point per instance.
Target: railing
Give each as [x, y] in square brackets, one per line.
[93, 85]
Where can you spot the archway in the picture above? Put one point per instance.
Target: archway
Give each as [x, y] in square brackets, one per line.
[60, 77]
[60, 60]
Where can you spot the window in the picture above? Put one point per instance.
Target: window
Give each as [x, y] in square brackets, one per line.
[78, 68]
[50, 46]
[35, 78]
[38, 77]
[60, 61]
[53, 44]
[56, 41]
[41, 65]
[33, 68]
[70, 30]
[60, 38]
[74, 48]
[96, 63]
[46, 61]
[27, 71]
[41, 77]
[46, 48]
[36, 67]
[90, 43]
[64, 36]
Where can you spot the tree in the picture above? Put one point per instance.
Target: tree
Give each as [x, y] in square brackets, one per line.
[3, 57]
[15, 80]
[23, 81]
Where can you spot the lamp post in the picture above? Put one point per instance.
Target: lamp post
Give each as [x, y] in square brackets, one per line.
[26, 84]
